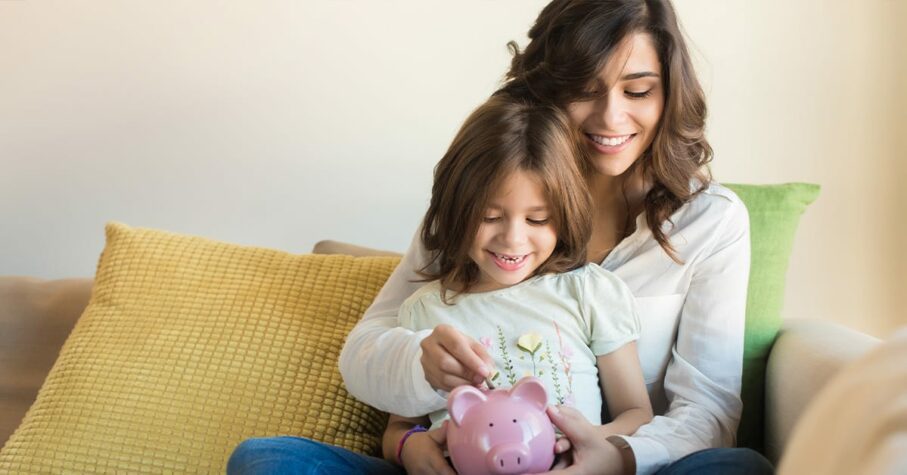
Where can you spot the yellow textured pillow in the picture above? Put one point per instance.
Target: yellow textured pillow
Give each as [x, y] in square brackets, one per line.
[189, 346]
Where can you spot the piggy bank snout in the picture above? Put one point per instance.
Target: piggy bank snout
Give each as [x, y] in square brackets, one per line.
[513, 457]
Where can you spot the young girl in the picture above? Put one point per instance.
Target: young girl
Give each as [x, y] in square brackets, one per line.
[507, 229]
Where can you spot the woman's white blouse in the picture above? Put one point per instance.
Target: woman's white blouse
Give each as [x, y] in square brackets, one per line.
[690, 347]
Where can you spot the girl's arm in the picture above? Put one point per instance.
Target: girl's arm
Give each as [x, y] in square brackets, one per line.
[422, 452]
[397, 427]
[621, 379]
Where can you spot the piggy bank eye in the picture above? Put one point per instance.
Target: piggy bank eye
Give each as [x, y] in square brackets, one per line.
[514, 421]
[491, 424]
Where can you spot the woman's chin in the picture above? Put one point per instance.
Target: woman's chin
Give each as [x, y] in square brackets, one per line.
[607, 165]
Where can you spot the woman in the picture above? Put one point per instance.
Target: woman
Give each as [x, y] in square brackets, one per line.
[622, 72]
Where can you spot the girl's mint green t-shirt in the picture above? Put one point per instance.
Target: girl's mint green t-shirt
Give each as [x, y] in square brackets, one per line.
[551, 326]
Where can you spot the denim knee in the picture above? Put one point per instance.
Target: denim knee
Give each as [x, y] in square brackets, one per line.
[275, 455]
[725, 461]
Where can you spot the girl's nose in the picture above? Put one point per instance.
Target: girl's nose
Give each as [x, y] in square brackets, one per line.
[515, 233]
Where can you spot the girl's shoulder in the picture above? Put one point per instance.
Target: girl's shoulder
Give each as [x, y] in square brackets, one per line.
[429, 292]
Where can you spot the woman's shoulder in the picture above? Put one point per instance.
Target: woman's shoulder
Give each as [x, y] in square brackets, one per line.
[715, 206]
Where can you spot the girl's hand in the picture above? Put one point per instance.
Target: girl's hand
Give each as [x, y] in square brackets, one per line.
[591, 453]
[451, 359]
[423, 453]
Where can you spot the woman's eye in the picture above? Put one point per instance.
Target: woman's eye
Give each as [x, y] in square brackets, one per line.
[538, 222]
[638, 95]
[490, 219]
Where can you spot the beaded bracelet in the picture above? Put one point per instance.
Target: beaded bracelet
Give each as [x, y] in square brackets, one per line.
[403, 440]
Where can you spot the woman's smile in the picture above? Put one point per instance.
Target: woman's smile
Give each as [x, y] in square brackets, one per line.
[610, 145]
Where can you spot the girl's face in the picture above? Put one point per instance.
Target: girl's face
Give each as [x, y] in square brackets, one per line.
[620, 122]
[516, 234]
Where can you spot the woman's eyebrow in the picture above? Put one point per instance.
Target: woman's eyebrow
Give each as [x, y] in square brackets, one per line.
[642, 74]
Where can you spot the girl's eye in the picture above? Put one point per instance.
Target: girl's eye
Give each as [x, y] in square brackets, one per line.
[490, 219]
[538, 222]
[638, 95]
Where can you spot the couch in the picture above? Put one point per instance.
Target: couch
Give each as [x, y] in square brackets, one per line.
[37, 315]
[181, 347]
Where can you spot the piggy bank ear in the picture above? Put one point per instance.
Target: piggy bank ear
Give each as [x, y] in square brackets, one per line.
[461, 399]
[532, 390]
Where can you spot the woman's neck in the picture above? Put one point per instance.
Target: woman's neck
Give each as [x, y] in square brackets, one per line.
[616, 201]
[614, 196]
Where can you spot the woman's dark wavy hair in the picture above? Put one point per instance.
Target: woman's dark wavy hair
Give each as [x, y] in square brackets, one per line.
[500, 137]
[571, 42]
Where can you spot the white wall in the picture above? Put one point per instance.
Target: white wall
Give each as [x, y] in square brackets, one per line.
[280, 123]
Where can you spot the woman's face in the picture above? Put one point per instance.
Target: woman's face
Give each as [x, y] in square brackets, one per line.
[620, 122]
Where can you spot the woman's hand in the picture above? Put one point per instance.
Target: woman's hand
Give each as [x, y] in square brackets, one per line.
[591, 452]
[423, 453]
[451, 359]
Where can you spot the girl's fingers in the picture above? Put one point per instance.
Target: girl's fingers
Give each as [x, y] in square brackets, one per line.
[442, 371]
[451, 359]
[469, 353]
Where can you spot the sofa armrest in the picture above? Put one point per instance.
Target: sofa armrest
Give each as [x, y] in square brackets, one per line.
[805, 356]
[337, 247]
[36, 317]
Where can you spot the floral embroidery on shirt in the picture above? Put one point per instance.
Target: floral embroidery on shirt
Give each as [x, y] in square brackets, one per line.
[539, 351]
[558, 392]
[530, 343]
[505, 356]
[565, 354]
[486, 342]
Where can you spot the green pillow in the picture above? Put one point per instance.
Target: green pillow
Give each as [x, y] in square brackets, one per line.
[774, 214]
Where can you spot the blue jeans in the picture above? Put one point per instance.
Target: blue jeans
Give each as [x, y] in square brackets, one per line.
[295, 455]
[720, 461]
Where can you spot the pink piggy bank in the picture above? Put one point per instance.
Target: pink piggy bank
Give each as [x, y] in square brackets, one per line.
[501, 430]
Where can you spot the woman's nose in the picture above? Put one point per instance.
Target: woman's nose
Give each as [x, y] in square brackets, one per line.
[613, 112]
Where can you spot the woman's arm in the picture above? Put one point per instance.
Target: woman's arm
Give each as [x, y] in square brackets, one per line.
[380, 359]
[703, 378]
[389, 367]
[624, 387]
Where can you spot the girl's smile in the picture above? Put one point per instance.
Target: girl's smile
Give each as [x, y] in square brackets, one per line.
[509, 262]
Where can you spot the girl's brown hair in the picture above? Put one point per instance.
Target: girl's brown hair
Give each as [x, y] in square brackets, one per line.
[571, 42]
[500, 137]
